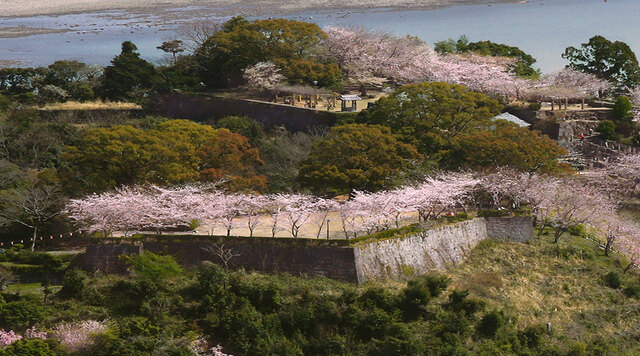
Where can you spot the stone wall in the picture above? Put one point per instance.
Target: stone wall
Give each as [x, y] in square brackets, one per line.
[514, 228]
[399, 257]
[206, 107]
[299, 257]
[105, 257]
[438, 248]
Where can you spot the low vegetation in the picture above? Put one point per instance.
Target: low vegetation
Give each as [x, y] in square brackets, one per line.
[506, 298]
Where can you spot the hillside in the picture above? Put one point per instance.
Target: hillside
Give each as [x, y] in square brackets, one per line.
[514, 291]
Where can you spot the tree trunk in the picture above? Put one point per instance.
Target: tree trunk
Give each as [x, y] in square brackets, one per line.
[33, 242]
[558, 235]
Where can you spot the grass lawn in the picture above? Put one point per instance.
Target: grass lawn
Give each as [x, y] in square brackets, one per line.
[34, 289]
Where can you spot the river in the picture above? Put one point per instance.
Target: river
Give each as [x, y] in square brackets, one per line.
[541, 28]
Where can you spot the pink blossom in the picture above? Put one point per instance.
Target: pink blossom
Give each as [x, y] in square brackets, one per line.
[77, 336]
[8, 337]
[33, 333]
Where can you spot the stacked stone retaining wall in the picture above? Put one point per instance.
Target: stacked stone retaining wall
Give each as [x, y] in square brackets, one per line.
[207, 107]
[397, 257]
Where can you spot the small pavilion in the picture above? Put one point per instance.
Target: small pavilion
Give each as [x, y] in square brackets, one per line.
[349, 98]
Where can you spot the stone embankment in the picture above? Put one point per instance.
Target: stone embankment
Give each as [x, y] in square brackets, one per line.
[396, 257]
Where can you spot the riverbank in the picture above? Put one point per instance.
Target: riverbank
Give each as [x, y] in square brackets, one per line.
[22, 8]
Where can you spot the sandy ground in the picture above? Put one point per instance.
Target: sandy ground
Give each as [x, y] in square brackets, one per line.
[8, 63]
[21, 31]
[309, 229]
[13, 8]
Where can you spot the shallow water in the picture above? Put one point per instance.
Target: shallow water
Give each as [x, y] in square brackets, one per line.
[542, 28]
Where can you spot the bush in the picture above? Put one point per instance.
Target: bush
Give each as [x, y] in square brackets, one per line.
[632, 290]
[613, 279]
[153, 267]
[534, 106]
[33, 347]
[532, 335]
[607, 130]
[244, 126]
[21, 313]
[35, 258]
[490, 323]
[73, 282]
[457, 217]
[419, 292]
[577, 230]
[459, 301]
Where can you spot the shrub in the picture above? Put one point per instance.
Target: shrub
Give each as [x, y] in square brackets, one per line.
[532, 335]
[153, 267]
[33, 347]
[534, 106]
[577, 230]
[138, 326]
[613, 279]
[21, 313]
[607, 130]
[632, 290]
[457, 217]
[242, 125]
[419, 292]
[73, 282]
[490, 323]
[459, 301]
[377, 297]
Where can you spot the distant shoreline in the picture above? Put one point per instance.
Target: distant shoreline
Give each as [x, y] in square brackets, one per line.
[28, 8]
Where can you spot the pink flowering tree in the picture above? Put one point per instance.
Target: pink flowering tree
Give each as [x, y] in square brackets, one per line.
[8, 337]
[253, 208]
[77, 336]
[372, 58]
[295, 210]
[263, 76]
[321, 208]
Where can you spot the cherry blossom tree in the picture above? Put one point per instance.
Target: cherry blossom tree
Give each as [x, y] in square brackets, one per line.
[375, 57]
[251, 208]
[77, 336]
[321, 209]
[566, 84]
[263, 76]
[8, 337]
[295, 210]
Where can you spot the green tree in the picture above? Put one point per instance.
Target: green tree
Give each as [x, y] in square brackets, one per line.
[612, 61]
[76, 78]
[623, 116]
[183, 74]
[429, 115]
[127, 75]
[119, 155]
[31, 142]
[153, 267]
[242, 43]
[244, 126]
[516, 147]
[176, 151]
[301, 71]
[174, 47]
[607, 130]
[356, 156]
[523, 66]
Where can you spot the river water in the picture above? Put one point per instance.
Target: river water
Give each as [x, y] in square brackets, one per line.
[541, 28]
